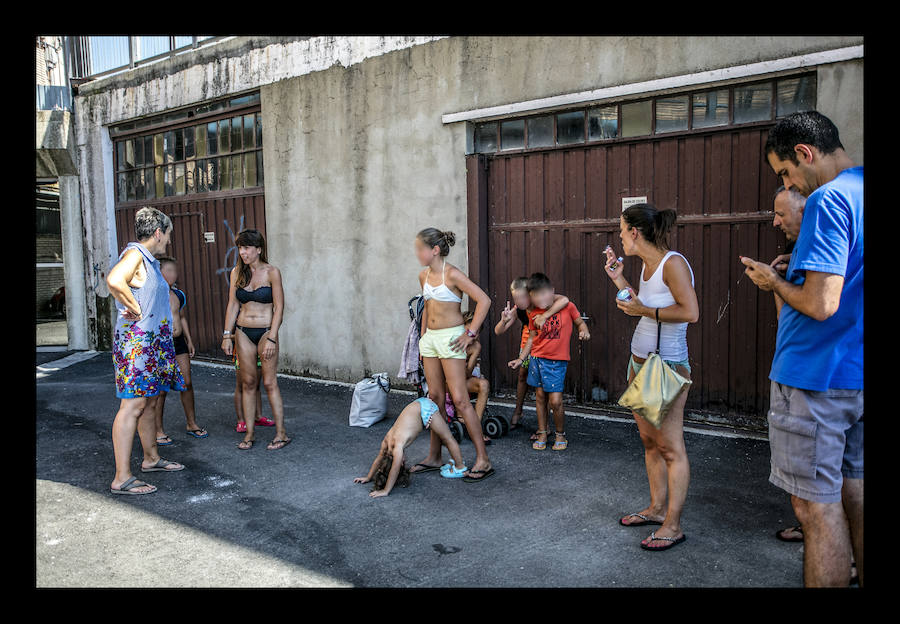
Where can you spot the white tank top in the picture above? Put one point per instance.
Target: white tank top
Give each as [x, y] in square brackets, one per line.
[654, 293]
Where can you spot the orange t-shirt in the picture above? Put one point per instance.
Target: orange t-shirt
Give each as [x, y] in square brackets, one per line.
[552, 341]
[523, 317]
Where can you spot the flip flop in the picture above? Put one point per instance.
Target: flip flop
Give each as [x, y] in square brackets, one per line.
[560, 445]
[672, 542]
[158, 443]
[264, 422]
[196, 433]
[126, 488]
[453, 472]
[796, 529]
[241, 427]
[283, 443]
[645, 519]
[160, 466]
[245, 448]
[425, 468]
[486, 474]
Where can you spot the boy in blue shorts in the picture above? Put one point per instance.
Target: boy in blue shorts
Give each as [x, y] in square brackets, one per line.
[550, 358]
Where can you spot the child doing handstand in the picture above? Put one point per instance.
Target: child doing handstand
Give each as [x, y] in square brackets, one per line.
[389, 467]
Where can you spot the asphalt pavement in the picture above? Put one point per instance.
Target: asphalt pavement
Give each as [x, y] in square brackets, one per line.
[294, 517]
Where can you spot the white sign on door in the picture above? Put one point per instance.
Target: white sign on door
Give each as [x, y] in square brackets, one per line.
[630, 201]
[210, 237]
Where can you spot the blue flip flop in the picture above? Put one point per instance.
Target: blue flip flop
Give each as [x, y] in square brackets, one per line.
[158, 443]
[194, 432]
[452, 472]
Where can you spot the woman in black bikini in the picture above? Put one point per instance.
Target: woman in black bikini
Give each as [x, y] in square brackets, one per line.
[252, 319]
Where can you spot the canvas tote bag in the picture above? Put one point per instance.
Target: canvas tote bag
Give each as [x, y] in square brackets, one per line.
[370, 400]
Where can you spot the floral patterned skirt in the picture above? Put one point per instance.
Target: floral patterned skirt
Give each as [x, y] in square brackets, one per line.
[145, 361]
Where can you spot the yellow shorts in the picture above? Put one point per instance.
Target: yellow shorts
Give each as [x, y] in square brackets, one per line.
[436, 343]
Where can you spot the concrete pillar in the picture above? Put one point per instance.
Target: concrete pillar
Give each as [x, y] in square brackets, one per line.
[73, 262]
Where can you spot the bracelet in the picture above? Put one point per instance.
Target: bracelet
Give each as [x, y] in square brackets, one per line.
[470, 333]
[270, 340]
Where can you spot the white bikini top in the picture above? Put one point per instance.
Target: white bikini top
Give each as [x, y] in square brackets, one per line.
[439, 293]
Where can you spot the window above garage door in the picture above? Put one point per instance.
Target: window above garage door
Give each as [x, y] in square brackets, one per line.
[687, 112]
[201, 151]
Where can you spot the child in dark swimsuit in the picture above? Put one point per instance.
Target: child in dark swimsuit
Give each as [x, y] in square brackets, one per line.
[184, 351]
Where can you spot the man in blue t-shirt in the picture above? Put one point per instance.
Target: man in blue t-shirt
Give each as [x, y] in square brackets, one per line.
[816, 401]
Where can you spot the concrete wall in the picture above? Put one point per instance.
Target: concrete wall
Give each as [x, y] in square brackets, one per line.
[357, 159]
[840, 98]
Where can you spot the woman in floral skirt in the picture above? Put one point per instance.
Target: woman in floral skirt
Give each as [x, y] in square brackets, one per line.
[143, 349]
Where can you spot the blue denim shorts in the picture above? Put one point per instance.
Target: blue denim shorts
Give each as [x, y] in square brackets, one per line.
[816, 440]
[547, 374]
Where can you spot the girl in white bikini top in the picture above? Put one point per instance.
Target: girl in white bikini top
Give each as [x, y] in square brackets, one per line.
[439, 293]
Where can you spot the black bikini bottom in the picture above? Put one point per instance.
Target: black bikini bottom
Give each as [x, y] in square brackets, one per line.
[255, 334]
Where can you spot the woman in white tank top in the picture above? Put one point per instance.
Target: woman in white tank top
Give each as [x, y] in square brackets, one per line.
[666, 294]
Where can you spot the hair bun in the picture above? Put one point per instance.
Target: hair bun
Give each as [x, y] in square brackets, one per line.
[450, 237]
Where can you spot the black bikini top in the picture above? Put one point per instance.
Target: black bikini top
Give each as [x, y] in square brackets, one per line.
[263, 294]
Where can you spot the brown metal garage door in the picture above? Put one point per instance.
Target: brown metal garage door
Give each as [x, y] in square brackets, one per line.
[204, 265]
[556, 210]
[203, 167]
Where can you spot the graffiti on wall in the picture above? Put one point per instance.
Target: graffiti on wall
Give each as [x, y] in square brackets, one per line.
[231, 253]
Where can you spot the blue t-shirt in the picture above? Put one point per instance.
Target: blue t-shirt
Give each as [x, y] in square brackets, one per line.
[818, 355]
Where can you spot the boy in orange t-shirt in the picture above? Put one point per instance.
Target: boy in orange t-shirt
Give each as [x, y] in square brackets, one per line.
[550, 358]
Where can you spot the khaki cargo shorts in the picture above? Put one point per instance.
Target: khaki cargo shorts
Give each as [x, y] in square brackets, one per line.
[816, 440]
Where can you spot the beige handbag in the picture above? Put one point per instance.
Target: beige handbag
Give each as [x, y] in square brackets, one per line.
[655, 387]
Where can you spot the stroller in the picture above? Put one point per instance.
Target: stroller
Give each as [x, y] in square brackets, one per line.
[495, 426]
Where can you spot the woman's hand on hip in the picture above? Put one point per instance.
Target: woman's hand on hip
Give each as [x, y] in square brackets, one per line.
[461, 342]
[130, 315]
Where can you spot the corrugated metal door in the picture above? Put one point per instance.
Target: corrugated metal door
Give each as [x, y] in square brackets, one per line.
[555, 211]
[203, 244]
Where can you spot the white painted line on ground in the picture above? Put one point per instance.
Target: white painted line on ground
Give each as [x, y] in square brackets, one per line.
[45, 369]
[619, 419]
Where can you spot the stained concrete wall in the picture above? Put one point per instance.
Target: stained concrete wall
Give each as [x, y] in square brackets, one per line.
[840, 98]
[357, 159]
